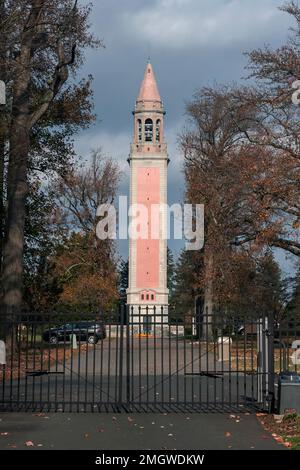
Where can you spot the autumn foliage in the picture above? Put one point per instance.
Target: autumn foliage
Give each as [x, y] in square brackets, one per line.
[241, 151]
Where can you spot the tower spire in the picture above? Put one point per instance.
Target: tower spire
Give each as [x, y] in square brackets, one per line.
[149, 89]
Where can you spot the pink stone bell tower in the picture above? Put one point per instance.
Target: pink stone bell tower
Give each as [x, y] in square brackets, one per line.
[148, 186]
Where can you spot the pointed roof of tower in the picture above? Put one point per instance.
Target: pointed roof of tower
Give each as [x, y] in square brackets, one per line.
[149, 90]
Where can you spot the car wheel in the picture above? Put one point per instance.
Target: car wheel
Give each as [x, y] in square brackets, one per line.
[53, 340]
[92, 339]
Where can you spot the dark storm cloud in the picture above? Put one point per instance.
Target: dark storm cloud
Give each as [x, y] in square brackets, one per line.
[191, 43]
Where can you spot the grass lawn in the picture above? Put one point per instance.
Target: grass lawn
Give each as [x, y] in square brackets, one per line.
[295, 443]
[286, 431]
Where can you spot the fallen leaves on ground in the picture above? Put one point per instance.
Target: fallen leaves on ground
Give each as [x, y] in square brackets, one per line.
[29, 444]
[285, 430]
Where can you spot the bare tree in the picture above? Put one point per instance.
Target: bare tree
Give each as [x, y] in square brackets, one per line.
[87, 265]
[84, 189]
[217, 125]
[275, 72]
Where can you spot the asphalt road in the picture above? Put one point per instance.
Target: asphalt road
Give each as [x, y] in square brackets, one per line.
[198, 431]
[160, 372]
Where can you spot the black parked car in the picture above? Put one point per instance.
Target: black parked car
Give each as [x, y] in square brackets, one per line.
[91, 332]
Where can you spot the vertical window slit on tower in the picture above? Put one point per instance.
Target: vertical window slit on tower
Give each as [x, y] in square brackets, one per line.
[148, 130]
[139, 130]
[158, 130]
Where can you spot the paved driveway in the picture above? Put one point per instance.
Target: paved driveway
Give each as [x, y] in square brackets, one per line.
[134, 431]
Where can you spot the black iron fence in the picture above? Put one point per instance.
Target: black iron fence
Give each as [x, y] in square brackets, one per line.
[143, 358]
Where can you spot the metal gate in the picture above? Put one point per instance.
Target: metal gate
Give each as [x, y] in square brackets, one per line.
[283, 353]
[141, 362]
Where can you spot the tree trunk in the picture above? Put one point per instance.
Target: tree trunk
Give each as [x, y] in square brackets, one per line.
[2, 206]
[2, 131]
[14, 240]
[19, 144]
[2, 215]
[3, 128]
[17, 185]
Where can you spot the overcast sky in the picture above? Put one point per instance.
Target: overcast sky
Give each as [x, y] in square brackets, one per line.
[191, 43]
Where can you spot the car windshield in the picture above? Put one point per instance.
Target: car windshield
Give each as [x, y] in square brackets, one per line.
[67, 326]
[83, 325]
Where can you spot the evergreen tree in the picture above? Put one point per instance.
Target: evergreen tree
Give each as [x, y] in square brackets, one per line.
[170, 272]
[188, 271]
[293, 308]
[271, 288]
[43, 237]
[123, 278]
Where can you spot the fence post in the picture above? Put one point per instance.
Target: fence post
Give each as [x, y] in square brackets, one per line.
[127, 355]
[271, 372]
[120, 395]
[265, 365]
[259, 360]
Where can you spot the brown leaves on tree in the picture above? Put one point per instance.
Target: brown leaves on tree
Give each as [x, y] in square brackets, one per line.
[243, 186]
[86, 265]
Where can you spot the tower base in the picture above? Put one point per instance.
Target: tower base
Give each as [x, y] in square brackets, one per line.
[148, 319]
